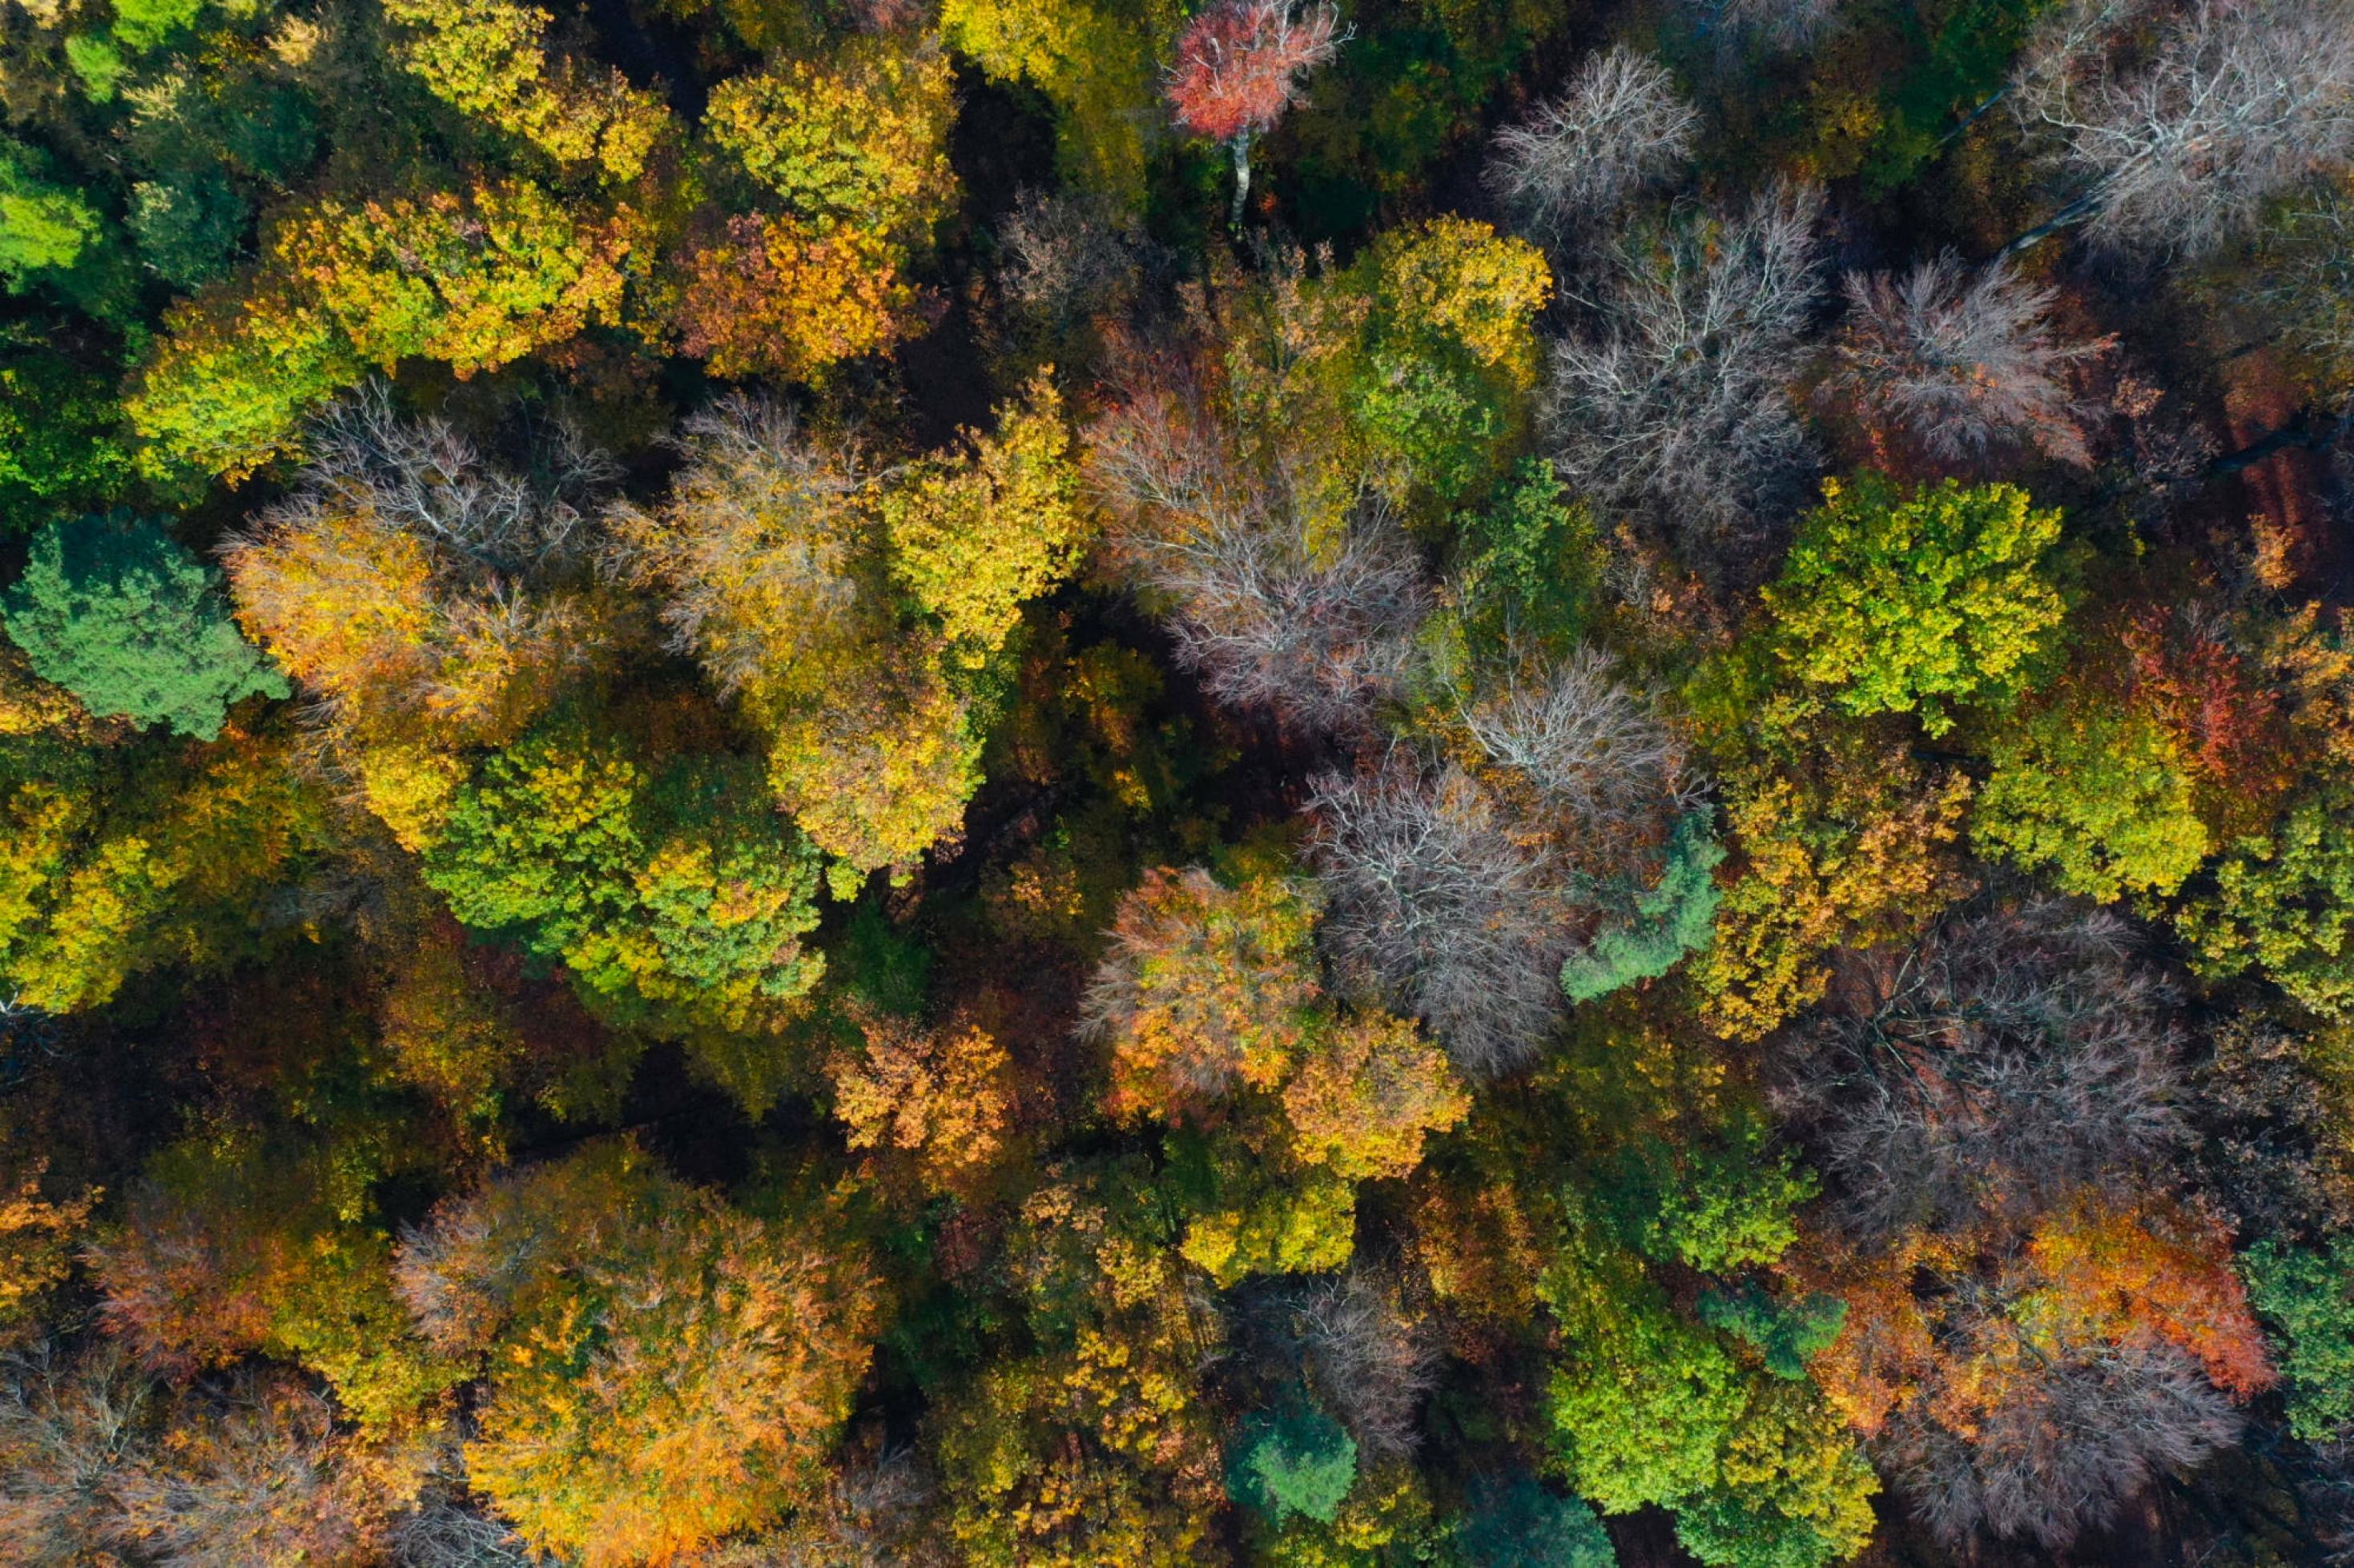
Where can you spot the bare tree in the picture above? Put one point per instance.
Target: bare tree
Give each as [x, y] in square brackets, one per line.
[1370, 1362]
[1316, 632]
[866, 1519]
[445, 1531]
[1774, 23]
[429, 480]
[2014, 1056]
[2179, 145]
[68, 1432]
[1317, 639]
[2089, 1428]
[411, 572]
[1964, 362]
[1677, 404]
[1068, 255]
[2327, 1489]
[1574, 163]
[1436, 898]
[2268, 1147]
[1593, 753]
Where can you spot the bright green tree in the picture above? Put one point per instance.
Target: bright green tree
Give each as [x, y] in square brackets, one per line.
[489, 59]
[1648, 1407]
[2308, 1296]
[114, 611]
[1442, 381]
[1793, 1490]
[43, 226]
[118, 860]
[1642, 1408]
[1906, 603]
[678, 900]
[2284, 902]
[474, 279]
[2096, 796]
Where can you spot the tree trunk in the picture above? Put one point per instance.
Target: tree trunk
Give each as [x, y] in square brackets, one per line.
[1973, 116]
[2306, 430]
[2077, 211]
[1242, 179]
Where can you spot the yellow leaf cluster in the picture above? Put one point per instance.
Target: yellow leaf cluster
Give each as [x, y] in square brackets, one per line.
[790, 297]
[489, 59]
[789, 574]
[1097, 61]
[859, 140]
[974, 539]
[1362, 1105]
[37, 1241]
[1860, 861]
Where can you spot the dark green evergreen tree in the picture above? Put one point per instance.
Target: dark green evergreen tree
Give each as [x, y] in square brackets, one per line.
[114, 611]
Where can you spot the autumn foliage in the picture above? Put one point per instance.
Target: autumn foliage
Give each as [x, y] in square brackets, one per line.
[1046, 783]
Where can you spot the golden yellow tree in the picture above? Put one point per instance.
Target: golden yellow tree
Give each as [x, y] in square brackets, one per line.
[489, 59]
[974, 537]
[787, 568]
[859, 139]
[659, 1369]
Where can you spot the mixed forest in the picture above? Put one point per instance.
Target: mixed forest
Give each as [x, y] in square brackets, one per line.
[1129, 783]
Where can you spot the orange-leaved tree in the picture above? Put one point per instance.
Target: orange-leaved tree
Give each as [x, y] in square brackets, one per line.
[659, 1369]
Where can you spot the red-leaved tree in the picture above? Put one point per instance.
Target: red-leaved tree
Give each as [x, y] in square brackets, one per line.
[1238, 69]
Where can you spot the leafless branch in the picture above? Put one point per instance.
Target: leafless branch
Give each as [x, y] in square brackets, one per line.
[1436, 898]
[1677, 405]
[2181, 145]
[1574, 163]
[1964, 362]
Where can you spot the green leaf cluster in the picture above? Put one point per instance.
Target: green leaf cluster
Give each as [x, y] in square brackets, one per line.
[2307, 1295]
[1674, 917]
[1514, 1522]
[2095, 796]
[677, 901]
[116, 611]
[2284, 902]
[1292, 1459]
[1786, 1334]
[1907, 603]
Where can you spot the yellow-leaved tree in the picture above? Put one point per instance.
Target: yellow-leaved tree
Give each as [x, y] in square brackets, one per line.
[844, 158]
[476, 279]
[658, 1369]
[1100, 63]
[860, 616]
[489, 60]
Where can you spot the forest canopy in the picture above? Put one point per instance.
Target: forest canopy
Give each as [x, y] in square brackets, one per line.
[1052, 783]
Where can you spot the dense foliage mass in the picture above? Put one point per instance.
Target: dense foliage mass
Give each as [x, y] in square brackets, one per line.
[1060, 783]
